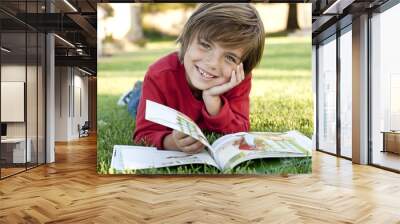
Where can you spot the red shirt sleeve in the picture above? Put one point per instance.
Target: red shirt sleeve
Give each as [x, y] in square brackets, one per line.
[146, 131]
[234, 113]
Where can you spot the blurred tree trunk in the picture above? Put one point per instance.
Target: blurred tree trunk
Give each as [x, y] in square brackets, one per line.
[292, 18]
[108, 10]
[135, 33]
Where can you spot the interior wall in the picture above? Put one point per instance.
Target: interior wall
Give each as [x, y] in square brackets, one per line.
[92, 100]
[82, 83]
[12, 73]
[34, 99]
[71, 100]
[41, 112]
[23, 62]
[62, 81]
[80, 104]
[32, 111]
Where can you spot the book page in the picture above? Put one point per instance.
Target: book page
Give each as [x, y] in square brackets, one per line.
[233, 149]
[176, 120]
[138, 157]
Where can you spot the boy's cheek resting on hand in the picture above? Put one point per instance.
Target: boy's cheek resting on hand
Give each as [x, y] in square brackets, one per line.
[212, 101]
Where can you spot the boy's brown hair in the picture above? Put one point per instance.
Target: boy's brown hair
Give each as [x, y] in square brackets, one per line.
[230, 25]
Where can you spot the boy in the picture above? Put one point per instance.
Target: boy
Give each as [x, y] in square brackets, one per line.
[209, 78]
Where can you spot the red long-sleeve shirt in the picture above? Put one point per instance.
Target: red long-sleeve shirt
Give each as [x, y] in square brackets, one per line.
[165, 83]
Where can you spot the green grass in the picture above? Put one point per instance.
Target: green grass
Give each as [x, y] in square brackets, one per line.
[281, 100]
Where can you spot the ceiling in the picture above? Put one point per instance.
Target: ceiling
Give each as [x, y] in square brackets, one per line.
[332, 15]
[74, 22]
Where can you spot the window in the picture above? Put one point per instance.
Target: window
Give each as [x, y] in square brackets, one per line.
[346, 92]
[327, 95]
[22, 68]
[385, 85]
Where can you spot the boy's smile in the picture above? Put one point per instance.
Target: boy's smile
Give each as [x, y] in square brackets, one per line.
[204, 74]
[208, 64]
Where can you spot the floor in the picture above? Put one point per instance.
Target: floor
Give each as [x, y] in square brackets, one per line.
[70, 191]
[387, 159]
[10, 170]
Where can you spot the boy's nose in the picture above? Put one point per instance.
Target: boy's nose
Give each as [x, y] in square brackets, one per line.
[212, 61]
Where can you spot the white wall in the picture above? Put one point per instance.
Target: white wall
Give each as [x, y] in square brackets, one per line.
[33, 126]
[62, 81]
[82, 82]
[80, 89]
[12, 101]
[69, 85]
[14, 73]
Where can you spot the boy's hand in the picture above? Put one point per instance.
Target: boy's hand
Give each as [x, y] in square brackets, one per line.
[237, 77]
[186, 143]
[211, 98]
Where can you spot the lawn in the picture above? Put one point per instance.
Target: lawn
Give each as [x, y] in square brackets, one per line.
[281, 100]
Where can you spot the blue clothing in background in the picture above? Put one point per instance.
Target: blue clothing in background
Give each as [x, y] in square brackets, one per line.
[134, 97]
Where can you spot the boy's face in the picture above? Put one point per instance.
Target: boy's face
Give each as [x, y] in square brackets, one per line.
[208, 64]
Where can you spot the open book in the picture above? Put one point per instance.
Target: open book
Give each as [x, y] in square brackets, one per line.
[225, 153]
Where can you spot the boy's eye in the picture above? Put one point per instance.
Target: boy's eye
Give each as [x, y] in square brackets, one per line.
[205, 45]
[231, 59]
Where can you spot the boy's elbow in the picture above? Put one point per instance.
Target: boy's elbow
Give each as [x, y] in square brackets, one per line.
[140, 139]
[246, 126]
[138, 136]
[239, 127]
